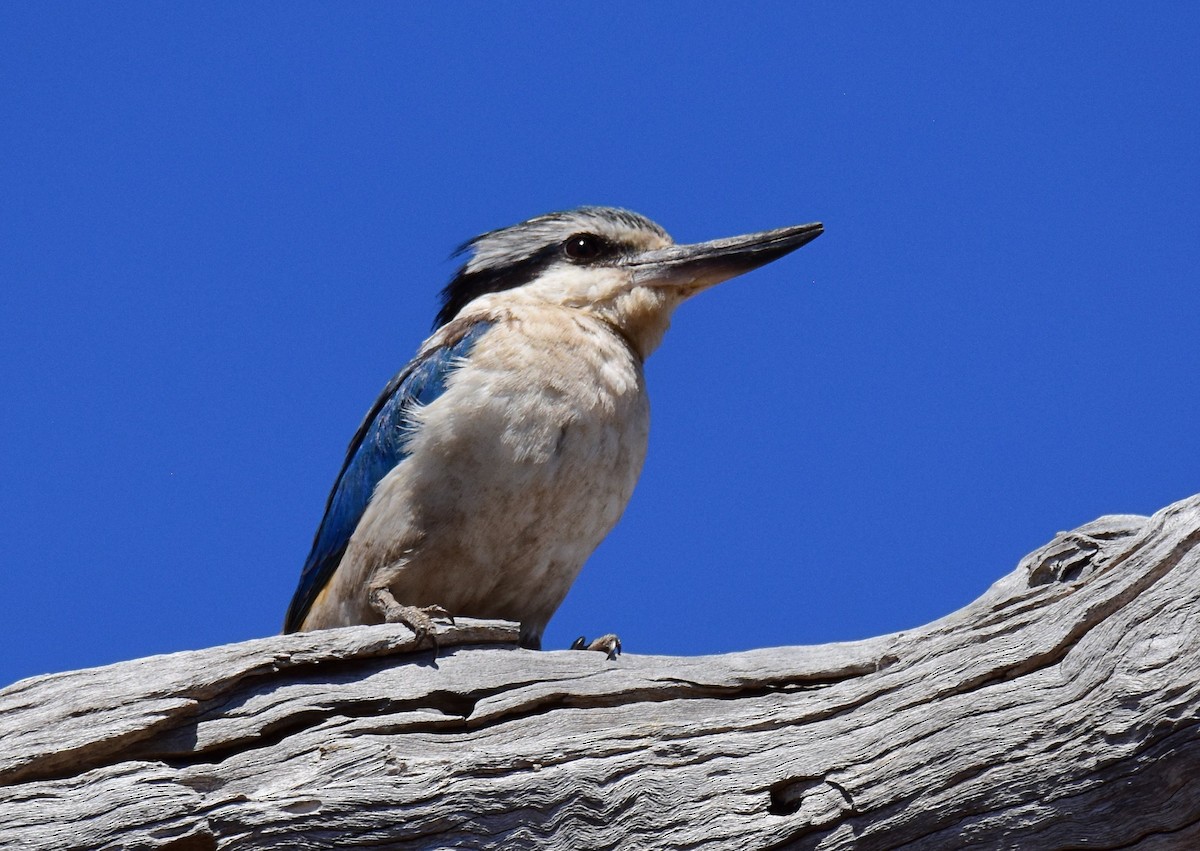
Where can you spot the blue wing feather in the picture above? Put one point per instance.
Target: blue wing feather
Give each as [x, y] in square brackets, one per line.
[378, 446]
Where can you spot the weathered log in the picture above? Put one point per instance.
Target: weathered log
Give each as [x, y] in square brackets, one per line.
[1060, 710]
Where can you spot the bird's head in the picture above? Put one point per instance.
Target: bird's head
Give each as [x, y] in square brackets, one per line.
[610, 262]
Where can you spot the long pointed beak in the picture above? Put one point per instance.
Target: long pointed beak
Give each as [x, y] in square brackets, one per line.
[692, 268]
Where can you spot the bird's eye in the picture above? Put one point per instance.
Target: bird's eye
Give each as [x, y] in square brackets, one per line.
[582, 247]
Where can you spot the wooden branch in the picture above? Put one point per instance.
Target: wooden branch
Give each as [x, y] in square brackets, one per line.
[1060, 710]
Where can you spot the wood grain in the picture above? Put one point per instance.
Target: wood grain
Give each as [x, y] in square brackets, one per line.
[1060, 710]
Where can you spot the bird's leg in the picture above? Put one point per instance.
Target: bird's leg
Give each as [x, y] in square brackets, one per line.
[417, 618]
[529, 640]
[608, 644]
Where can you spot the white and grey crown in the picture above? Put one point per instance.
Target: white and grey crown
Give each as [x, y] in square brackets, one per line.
[510, 257]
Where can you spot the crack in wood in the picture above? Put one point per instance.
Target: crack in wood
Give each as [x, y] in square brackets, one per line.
[957, 734]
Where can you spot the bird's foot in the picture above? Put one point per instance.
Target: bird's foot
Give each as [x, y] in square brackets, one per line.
[417, 618]
[420, 620]
[608, 644]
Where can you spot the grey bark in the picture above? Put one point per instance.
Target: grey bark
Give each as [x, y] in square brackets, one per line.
[1057, 711]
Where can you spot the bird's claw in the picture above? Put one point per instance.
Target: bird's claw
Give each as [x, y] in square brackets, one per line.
[417, 618]
[438, 613]
[420, 620]
[608, 644]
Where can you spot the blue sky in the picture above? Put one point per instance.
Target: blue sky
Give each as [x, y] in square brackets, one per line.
[225, 226]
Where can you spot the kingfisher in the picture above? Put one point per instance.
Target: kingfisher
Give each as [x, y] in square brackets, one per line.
[496, 461]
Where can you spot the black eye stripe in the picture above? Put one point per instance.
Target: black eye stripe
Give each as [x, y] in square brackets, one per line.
[582, 249]
[466, 286]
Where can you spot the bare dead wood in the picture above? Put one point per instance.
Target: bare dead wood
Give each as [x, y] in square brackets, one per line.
[1060, 710]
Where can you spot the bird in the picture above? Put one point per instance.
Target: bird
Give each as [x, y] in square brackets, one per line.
[496, 461]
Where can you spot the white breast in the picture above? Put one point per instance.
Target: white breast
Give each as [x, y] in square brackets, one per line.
[516, 472]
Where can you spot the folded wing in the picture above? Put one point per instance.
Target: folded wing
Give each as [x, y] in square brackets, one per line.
[378, 446]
